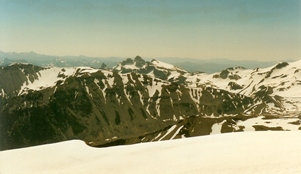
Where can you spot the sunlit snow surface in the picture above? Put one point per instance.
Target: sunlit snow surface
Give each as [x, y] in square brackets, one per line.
[285, 81]
[244, 153]
[46, 78]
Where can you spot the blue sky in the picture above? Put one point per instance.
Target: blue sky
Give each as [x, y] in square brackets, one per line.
[234, 29]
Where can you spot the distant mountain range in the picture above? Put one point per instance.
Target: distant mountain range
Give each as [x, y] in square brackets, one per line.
[7, 58]
[192, 65]
[140, 101]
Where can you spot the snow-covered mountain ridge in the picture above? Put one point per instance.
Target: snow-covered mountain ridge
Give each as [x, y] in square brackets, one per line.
[141, 101]
[284, 79]
[281, 80]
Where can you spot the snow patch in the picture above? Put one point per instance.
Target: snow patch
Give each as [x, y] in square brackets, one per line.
[46, 78]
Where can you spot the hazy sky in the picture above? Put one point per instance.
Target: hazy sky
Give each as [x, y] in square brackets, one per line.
[235, 29]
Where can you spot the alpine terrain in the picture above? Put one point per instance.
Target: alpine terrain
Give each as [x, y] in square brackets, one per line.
[143, 101]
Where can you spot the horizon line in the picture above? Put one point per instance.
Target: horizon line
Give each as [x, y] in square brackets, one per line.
[145, 57]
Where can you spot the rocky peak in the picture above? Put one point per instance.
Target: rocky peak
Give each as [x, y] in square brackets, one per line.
[139, 60]
[103, 66]
[228, 73]
[127, 61]
[281, 65]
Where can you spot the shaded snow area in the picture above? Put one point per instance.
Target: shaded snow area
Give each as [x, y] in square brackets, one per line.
[217, 127]
[268, 152]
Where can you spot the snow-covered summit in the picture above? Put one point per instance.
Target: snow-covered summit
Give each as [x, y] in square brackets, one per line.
[167, 66]
[155, 68]
[139, 63]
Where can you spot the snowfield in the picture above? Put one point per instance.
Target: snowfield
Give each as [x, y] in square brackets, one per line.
[244, 153]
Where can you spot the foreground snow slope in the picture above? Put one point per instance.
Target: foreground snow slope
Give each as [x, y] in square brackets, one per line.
[252, 152]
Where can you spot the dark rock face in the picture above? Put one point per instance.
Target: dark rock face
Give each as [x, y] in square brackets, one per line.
[12, 77]
[281, 65]
[128, 61]
[278, 66]
[73, 112]
[139, 61]
[228, 73]
[224, 74]
[234, 86]
[234, 77]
